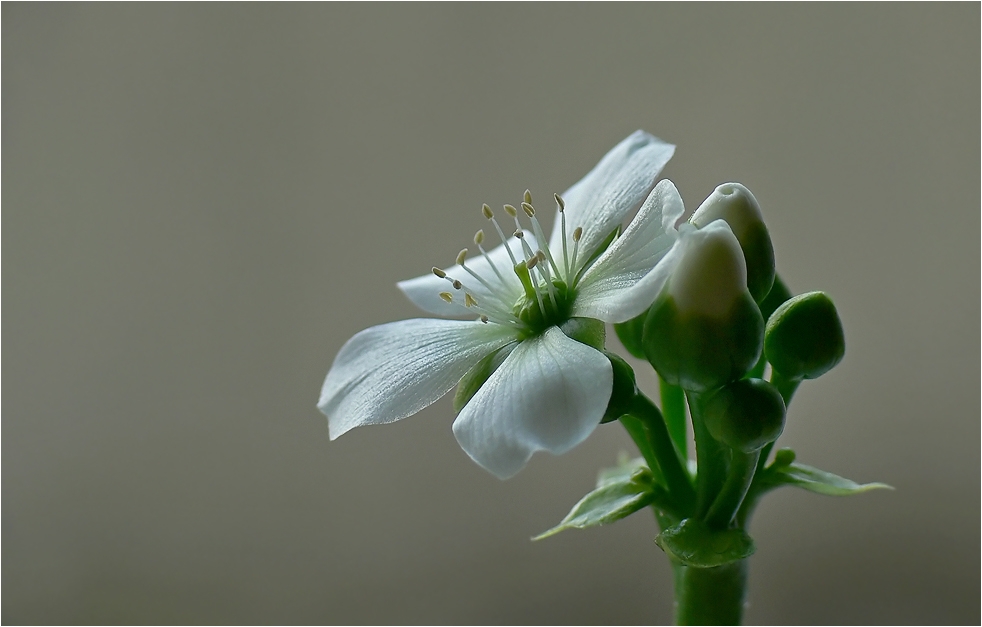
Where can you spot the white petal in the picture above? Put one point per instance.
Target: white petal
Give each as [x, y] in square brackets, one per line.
[425, 290]
[548, 395]
[394, 370]
[625, 279]
[615, 187]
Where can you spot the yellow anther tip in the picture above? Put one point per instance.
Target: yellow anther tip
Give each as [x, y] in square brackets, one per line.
[560, 202]
[511, 211]
[440, 273]
[461, 256]
[527, 208]
[528, 197]
[577, 233]
[486, 210]
[479, 237]
[446, 296]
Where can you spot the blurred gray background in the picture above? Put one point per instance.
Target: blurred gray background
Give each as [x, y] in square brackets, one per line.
[202, 203]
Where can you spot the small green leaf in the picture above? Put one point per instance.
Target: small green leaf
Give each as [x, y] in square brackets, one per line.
[815, 480]
[618, 496]
[692, 543]
[626, 466]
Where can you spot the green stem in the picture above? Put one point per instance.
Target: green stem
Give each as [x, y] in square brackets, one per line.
[664, 449]
[727, 504]
[673, 407]
[711, 457]
[710, 596]
[786, 387]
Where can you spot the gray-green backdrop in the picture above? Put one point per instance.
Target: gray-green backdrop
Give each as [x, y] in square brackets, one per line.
[203, 202]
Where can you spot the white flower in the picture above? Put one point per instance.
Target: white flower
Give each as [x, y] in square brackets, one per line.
[550, 391]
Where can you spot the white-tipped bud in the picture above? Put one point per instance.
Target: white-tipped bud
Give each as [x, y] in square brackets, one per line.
[486, 210]
[461, 257]
[469, 301]
[527, 208]
[440, 273]
[577, 233]
[511, 211]
[479, 238]
[528, 197]
[446, 296]
[560, 202]
[704, 329]
[711, 274]
[734, 204]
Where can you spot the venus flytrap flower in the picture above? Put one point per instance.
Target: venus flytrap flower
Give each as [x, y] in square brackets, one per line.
[533, 354]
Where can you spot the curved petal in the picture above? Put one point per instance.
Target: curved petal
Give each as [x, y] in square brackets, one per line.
[394, 370]
[625, 279]
[548, 395]
[615, 187]
[425, 290]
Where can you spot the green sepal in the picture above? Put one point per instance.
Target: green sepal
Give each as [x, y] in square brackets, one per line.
[586, 331]
[693, 543]
[699, 353]
[478, 374]
[814, 480]
[630, 334]
[624, 390]
[617, 496]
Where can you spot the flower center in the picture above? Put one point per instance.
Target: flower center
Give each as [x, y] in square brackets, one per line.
[536, 292]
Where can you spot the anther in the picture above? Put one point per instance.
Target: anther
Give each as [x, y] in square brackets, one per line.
[469, 301]
[577, 233]
[479, 237]
[533, 261]
[446, 296]
[519, 233]
[511, 211]
[461, 257]
[457, 284]
[527, 208]
[484, 319]
[440, 273]
[486, 210]
[560, 202]
[528, 197]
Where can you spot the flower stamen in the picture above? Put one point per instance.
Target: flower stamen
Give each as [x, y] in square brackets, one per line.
[486, 210]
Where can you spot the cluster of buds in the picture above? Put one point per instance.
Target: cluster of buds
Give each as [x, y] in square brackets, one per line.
[722, 316]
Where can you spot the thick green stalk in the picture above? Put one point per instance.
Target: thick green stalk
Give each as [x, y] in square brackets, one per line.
[710, 596]
[673, 408]
[711, 457]
[727, 503]
[669, 458]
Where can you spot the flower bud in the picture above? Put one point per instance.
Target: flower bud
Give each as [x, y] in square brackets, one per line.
[745, 415]
[735, 204]
[804, 338]
[704, 329]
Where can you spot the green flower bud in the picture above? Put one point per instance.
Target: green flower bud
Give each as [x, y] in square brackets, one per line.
[745, 415]
[804, 338]
[704, 329]
[624, 390]
[735, 204]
